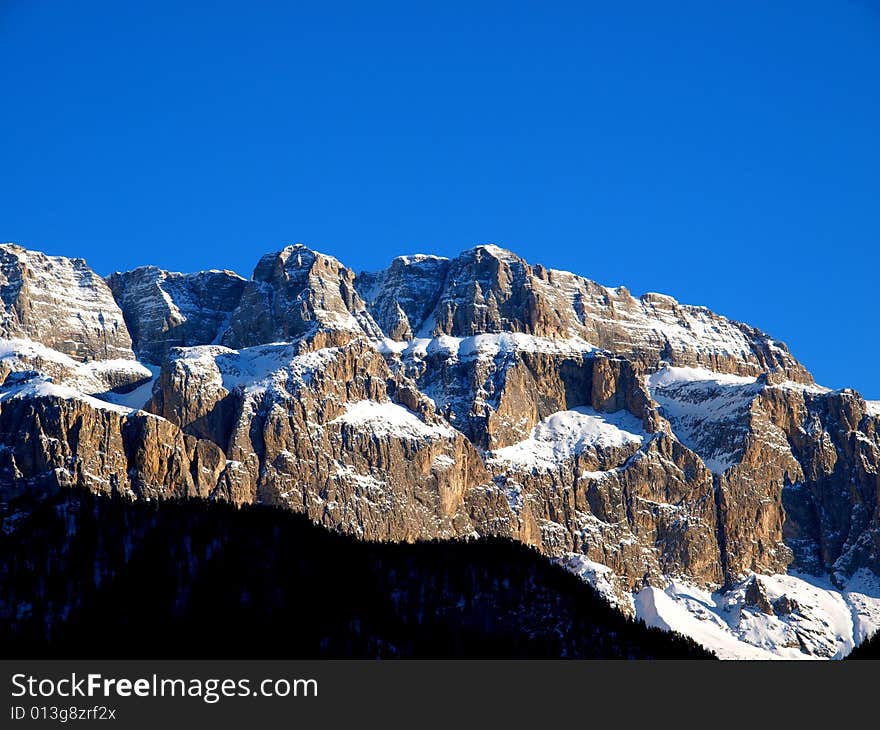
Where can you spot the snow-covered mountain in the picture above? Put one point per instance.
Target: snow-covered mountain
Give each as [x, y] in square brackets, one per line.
[686, 465]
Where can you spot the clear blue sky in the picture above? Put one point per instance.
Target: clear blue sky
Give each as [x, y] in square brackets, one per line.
[726, 153]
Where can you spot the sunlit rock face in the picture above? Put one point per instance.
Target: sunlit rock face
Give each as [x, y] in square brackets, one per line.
[60, 303]
[164, 309]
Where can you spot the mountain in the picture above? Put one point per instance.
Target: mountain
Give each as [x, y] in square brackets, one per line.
[686, 466]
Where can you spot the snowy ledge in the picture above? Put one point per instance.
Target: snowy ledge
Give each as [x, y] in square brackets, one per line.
[565, 434]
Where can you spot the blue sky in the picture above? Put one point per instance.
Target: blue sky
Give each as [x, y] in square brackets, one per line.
[725, 153]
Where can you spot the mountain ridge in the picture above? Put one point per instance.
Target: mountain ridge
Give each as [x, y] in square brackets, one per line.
[638, 441]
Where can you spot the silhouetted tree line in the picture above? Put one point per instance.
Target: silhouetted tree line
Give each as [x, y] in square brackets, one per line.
[868, 649]
[100, 577]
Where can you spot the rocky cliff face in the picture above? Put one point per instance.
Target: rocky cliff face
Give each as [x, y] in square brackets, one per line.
[165, 309]
[55, 437]
[61, 303]
[330, 432]
[644, 444]
[490, 290]
[297, 292]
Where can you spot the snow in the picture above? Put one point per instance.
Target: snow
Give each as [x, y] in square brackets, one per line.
[93, 378]
[672, 376]
[14, 347]
[138, 397]
[19, 347]
[366, 482]
[40, 388]
[669, 376]
[803, 387]
[671, 612]
[827, 622]
[442, 461]
[600, 576]
[873, 407]
[417, 258]
[708, 411]
[255, 369]
[497, 252]
[390, 419]
[102, 369]
[565, 434]
[597, 475]
[484, 346]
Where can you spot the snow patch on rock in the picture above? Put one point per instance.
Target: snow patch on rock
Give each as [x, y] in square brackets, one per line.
[390, 419]
[484, 346]
[601, 578]
[42, 387]
[95, 377]
[806, 617]
[700, 405]
[565, 434]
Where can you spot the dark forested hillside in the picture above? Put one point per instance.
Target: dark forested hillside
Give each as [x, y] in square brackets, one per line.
[91, 576]
[869, 649]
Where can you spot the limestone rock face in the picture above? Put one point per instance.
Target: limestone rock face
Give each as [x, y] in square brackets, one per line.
[796, 469]
[495, 388]
[489, 290]
[402, 296]
[756, 596]
[53, 439]
[642, 443]
[164, 309]
[335, 435]
[60, 303]
[297, 292]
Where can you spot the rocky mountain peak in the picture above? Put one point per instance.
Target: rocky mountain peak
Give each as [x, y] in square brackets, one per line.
[292, 261]
[61, 303]
[487, 289]
[401, 297]
[298, 291]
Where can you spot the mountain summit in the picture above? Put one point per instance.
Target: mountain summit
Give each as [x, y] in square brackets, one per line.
[684, 464]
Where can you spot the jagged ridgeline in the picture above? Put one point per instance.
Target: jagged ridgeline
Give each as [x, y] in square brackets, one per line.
[108, 577]
[685, 465]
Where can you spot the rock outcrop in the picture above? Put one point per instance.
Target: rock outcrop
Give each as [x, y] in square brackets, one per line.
[403, 296]
[297, 292]
[330, 432]
[797, 468]
[60, 303]
[53, 438]
[165, 309]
